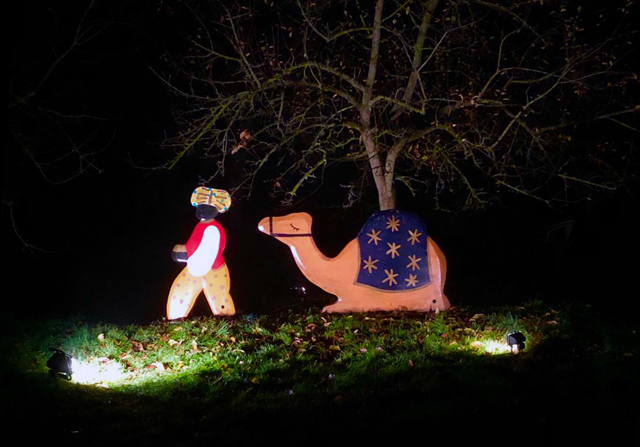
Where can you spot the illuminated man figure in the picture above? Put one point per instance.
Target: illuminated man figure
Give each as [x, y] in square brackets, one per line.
[206, 269]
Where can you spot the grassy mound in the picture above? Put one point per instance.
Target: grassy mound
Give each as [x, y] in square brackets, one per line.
[304, 376]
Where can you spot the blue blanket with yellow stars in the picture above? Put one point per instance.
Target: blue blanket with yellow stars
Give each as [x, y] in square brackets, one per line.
[393, 252]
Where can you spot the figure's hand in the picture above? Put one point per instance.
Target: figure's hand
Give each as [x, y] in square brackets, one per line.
[179, 253]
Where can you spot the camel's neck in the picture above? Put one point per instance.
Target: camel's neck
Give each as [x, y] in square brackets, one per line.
[312, 263]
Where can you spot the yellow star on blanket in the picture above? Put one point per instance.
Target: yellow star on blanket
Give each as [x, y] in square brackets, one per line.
[370, 264]
[391, 277]
[374, 236]
[412, 280]
[393, 224]
[413, 236]
[413, 265]
[393, 249]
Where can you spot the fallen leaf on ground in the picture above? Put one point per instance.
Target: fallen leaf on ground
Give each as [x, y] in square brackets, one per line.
[156, 365]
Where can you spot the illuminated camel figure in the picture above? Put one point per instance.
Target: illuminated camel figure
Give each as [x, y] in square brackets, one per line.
[391, 265]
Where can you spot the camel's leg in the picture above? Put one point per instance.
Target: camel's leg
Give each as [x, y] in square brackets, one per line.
[183, 294]
[443, 266]
[438, 273]
[441, 302]
[337, 307]
[216, 289]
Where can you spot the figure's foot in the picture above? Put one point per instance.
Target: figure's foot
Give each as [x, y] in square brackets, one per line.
[222, 306]
[177, 308]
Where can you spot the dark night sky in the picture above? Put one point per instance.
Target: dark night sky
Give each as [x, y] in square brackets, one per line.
[104, 238]
[108, 235]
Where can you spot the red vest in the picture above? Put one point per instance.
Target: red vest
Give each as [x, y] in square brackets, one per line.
[196, 237]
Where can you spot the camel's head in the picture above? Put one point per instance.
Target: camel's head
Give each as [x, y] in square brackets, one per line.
[292, 225]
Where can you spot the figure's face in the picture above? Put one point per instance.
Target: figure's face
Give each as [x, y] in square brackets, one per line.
[206, 212]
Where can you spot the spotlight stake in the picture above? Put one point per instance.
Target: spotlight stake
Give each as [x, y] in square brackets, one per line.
[59, 364]
[516, 340]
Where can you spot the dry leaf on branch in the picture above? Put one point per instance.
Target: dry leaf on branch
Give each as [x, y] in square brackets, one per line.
[245, 136]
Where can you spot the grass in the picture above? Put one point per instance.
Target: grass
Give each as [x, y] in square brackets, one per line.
[304, 376]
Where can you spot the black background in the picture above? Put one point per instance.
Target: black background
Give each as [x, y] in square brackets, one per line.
[104, 239]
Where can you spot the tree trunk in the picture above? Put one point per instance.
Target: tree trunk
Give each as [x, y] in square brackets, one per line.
[387, 197]
[382, 173]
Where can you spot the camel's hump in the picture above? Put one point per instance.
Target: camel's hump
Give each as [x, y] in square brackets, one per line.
[393, 252]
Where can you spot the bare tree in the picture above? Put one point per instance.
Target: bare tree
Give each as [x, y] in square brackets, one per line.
[457, 98]
[51, 138]
[47, 124]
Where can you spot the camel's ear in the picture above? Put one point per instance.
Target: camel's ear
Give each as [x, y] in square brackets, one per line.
[306, 216]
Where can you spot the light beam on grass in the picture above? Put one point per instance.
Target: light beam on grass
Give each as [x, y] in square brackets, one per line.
[100, 372]
[496, 347]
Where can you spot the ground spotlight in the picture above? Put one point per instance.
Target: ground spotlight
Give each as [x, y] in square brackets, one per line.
[59, 364]
[516, 340]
